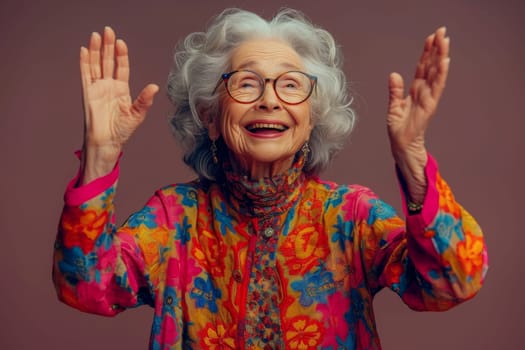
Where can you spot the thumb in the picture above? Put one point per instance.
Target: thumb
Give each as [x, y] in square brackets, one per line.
[144, 100]
[396, 88]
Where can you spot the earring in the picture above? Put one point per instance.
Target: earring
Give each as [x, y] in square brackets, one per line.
[306, 149]
[213, 149]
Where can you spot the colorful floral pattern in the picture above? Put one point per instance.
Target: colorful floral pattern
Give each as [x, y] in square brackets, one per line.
[201, 256]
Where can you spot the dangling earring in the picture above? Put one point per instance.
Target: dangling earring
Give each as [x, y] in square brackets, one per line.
[306, 149]
[213, 149]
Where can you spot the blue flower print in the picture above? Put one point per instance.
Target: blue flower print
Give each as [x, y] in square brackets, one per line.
[183, 231]
[337, 197]
[221, 215]
[106, 197]
[170, 301]
[75, 265]
[104, 240]
[445, 228]
[315, 287]
[143, 217]
[379, 211]
[205, 294]
[357, 310]
[344, 232]
[188, 194]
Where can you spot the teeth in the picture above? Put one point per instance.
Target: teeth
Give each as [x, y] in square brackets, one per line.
[266, 126]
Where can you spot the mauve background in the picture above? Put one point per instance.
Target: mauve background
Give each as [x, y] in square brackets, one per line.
[476, 138]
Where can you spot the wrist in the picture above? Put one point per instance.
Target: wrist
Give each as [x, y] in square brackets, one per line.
[414, 208]
[98, 162]
[411, 168]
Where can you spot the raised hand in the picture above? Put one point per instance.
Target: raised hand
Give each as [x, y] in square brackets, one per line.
[409, 116]
[110, 114]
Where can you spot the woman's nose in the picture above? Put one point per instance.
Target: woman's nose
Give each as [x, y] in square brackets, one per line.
[269, 100]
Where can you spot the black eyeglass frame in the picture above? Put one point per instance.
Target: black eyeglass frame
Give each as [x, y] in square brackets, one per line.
[226, 76]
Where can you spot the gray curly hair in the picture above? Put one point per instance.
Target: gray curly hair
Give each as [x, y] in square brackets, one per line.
[203, 57]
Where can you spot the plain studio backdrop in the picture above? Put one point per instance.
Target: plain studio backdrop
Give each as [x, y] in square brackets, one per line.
[475, 136]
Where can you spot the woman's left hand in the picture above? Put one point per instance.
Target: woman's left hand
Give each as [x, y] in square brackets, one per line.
[409, 116]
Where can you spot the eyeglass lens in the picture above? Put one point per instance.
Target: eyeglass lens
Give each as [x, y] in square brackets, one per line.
[290, 87]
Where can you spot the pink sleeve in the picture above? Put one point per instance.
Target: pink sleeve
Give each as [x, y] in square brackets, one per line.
[75, 195]
[431, 202]
[435, 259]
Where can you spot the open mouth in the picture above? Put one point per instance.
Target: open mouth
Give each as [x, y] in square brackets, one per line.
[266, 127]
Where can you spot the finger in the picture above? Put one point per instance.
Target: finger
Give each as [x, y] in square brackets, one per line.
[122, 71]
[85, 73]
[108, 53]
[436, 49]
[94, 56]
[423, 60]
[396, 87]
[438, 71]
[144, 101]
[442, 42]
[441, 77]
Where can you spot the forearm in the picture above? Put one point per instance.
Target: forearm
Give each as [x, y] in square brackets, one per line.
[446, 248]
[97, 162]
[434, 261]
[78, 254]
[89, 269]
[411, 170]
[458, 241]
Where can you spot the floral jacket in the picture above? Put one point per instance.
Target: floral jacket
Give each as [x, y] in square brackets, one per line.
[291, 263]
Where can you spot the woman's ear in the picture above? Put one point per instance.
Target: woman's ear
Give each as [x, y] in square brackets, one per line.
[212, 124]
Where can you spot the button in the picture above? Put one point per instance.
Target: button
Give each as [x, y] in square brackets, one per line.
[237, 276]
[169, 300]
[268, 232]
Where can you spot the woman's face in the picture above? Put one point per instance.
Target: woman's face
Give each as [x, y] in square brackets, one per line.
[264, 135]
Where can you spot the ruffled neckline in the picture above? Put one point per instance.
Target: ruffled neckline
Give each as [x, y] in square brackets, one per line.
[266, 197]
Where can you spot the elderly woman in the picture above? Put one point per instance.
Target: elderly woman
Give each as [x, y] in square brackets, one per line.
[258, 252]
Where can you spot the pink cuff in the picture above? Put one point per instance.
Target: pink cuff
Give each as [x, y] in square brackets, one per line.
[431, 201]
[76, 195]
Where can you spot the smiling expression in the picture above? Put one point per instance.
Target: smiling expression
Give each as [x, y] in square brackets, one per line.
[263, 136]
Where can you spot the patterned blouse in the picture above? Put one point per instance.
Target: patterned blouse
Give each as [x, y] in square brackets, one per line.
[290, 262]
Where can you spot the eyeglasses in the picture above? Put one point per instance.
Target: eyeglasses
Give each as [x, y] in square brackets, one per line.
[246, 86]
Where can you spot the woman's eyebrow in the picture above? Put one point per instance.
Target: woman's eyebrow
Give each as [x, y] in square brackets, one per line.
[254, 64]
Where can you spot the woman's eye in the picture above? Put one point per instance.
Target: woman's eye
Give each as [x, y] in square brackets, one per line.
[247, 84]
[289, 84]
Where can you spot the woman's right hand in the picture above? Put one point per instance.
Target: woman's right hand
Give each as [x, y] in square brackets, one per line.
[110, 115]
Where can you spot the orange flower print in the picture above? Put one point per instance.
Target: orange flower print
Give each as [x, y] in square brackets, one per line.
[82, 227]
[304, 247]
[217, 336]
[470, 253]
[210, 252]
[152, 242]
[446, 199]
[303, 333]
